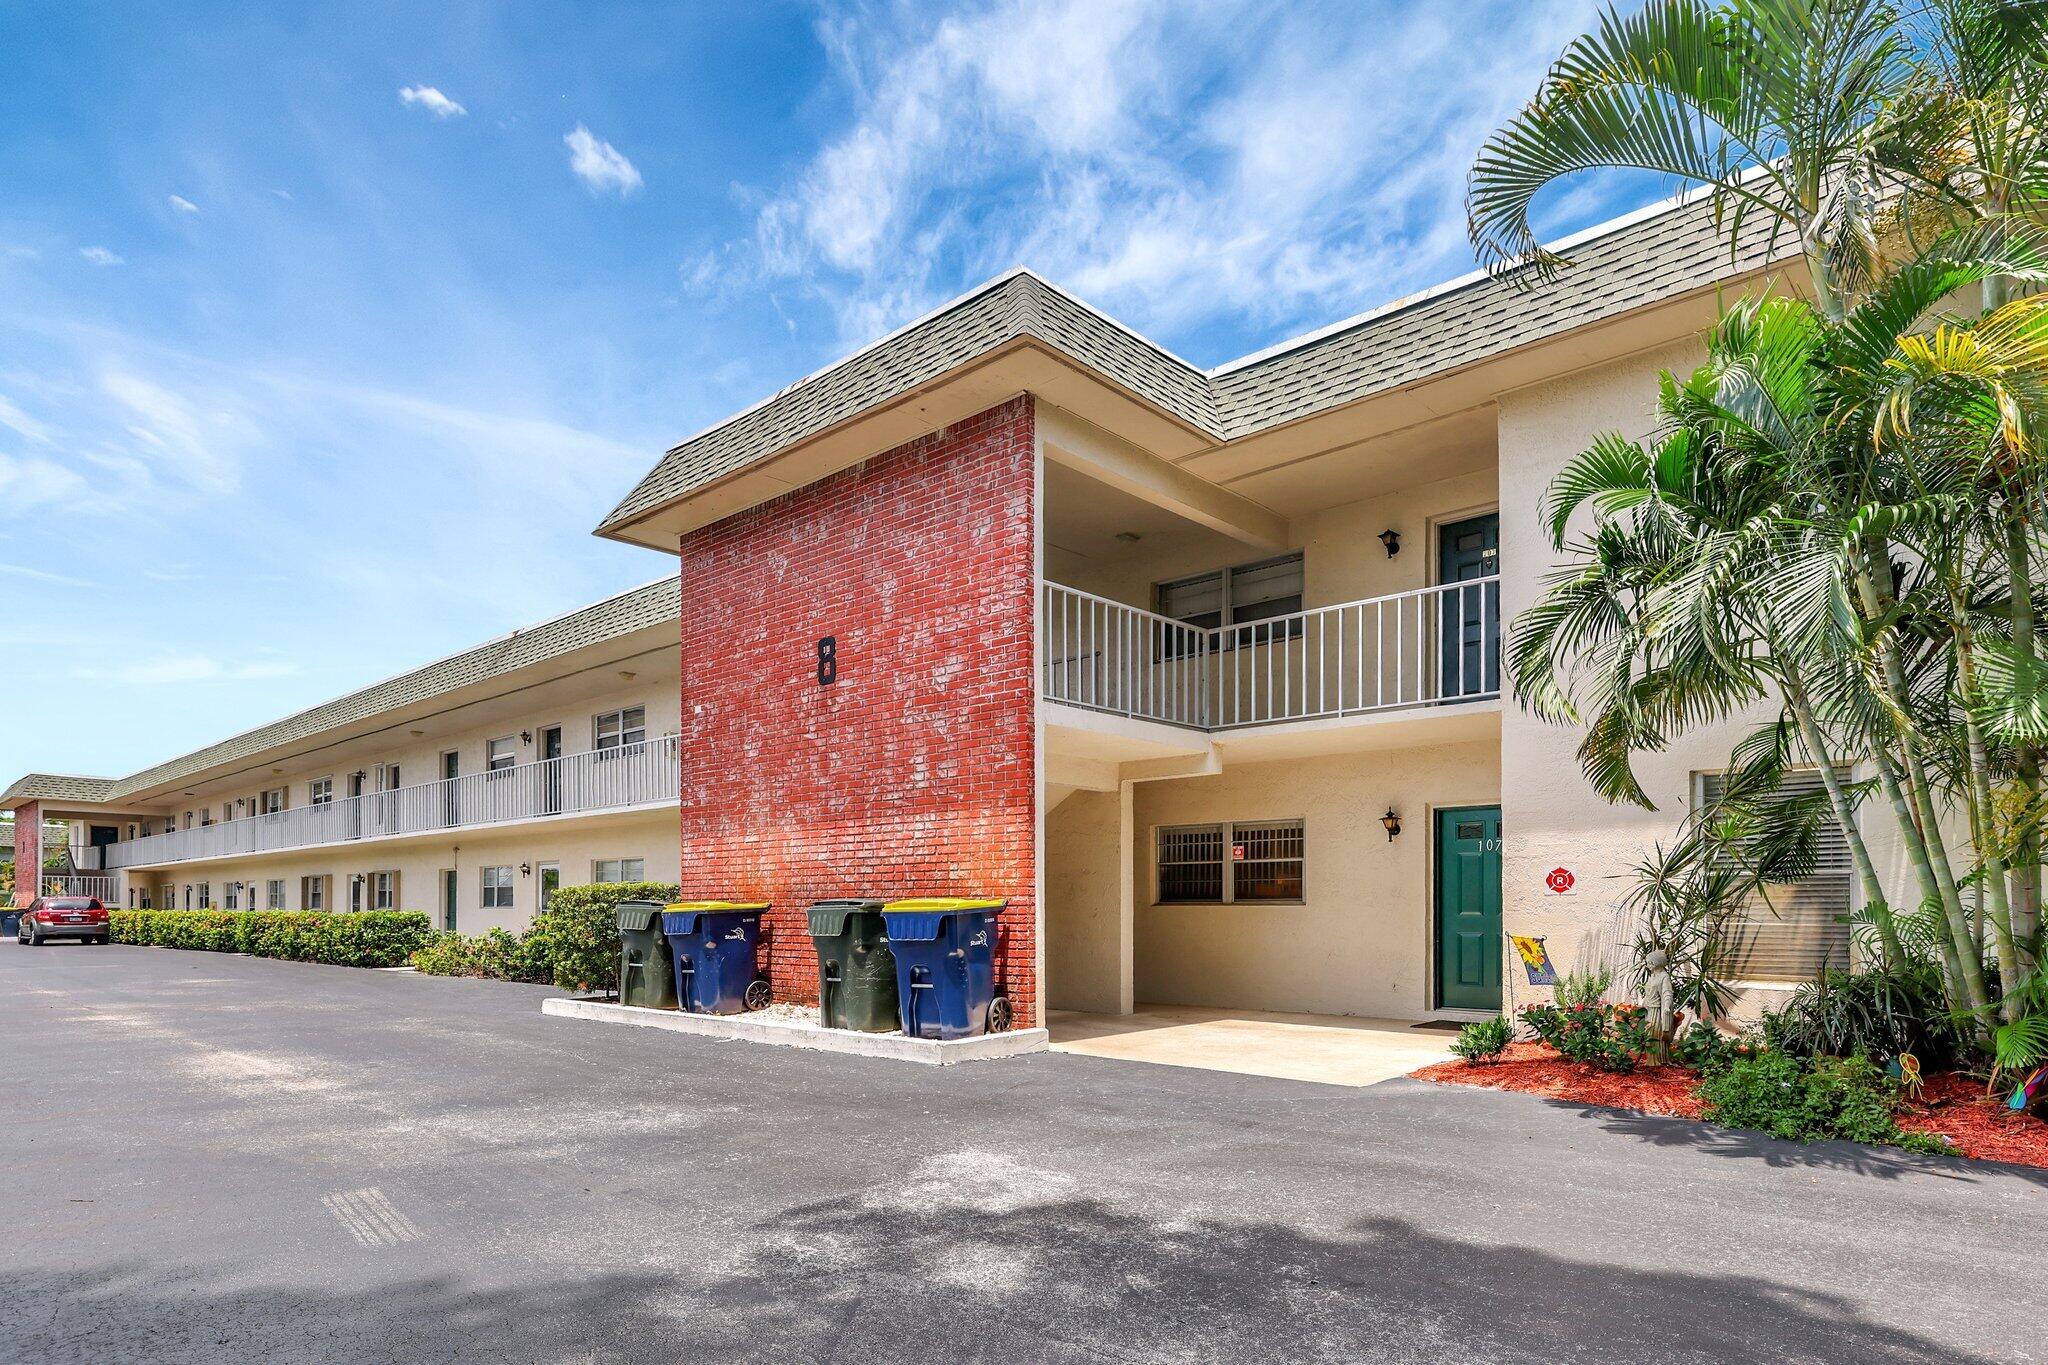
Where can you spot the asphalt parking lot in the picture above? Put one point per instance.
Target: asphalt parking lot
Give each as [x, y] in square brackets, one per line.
[218, 1158]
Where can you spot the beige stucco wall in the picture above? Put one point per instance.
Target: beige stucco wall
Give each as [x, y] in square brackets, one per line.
[574, 843]
[572, 702]
[1360, 943]
[1087, 935]
[1342, 558]
[1550, 815]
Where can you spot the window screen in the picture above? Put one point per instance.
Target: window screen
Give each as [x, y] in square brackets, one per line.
[1191, 864]
[1266, 862]
[1244, 861]
[1803, 926]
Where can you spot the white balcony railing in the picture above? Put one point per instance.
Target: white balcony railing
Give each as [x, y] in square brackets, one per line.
[1427, 647]
[646, 774]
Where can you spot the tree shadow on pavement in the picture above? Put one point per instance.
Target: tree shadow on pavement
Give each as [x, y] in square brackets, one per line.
[1882, 1163]
[995, 1275]
[984, 1269]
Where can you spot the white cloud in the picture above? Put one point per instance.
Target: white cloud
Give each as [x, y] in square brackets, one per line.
[433, 101]
[183, 205]
[1171, 160]
[20, 423]
[598, 164]
[42, 576]
[191, 443]
[99, 255]
[30, 484]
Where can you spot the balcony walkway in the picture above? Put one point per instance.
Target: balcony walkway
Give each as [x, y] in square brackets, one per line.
[634, 777]
[1425, 648]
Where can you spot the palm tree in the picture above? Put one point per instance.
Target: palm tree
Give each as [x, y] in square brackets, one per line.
[1881, 588]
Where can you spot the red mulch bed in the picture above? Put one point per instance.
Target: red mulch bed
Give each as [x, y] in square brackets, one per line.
[1952, 1106]
[1955, 1107]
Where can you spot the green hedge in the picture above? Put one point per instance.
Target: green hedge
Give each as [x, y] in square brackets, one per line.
[368, 938]
[496, 953]
[574, 943]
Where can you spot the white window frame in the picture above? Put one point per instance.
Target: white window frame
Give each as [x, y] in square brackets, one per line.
[492, 879]
[510, 754]
[1852, 890]
[231, 896]
[320, 791]
[273, 893]
[1227, 605]
[313, 893]
[383, 890]
[619, 867]
[1231, 833]
[272, 802]
[622, 735]
[205, 895]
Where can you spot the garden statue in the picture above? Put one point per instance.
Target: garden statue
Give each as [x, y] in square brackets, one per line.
[1657, 1000]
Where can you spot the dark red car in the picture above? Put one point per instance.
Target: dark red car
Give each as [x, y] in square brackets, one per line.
[49, 917]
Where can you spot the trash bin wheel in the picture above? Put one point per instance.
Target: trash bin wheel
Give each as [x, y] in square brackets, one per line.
[1000, 1015]
[757, 996]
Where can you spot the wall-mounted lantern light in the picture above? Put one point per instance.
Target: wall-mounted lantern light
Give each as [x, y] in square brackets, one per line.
[1392, 540]
[526, 869]
[526, 736]
[1391, 823]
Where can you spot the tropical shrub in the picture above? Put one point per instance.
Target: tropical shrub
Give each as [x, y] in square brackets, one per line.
[496, 953]
[577, 936]
[369, 938]
[1877, 1014]
[1484, 1041]
[1584, 986]
[1610, 1037]
[574, 943]
[1809, 1100]
[1707, 1050]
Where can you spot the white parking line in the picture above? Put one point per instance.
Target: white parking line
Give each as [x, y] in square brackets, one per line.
[370, 1218]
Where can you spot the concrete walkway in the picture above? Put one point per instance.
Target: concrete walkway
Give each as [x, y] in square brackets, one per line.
[1328, 1049]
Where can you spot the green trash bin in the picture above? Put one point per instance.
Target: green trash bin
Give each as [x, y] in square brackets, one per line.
[646, 973]
[856, 970]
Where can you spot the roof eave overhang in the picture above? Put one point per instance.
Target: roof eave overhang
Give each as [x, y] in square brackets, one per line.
[1024, 364]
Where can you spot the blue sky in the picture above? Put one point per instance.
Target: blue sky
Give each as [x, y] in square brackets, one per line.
[328, 332]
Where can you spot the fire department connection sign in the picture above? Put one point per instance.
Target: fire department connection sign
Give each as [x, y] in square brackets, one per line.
[1561, 881]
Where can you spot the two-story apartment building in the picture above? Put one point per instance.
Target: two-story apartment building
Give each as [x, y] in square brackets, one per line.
[470, 787]
[1198, 668]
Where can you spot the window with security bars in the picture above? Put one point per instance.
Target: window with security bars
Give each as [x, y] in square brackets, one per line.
[1228, 863]
[1791, 931]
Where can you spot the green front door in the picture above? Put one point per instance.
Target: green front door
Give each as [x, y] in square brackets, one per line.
[1468, 933]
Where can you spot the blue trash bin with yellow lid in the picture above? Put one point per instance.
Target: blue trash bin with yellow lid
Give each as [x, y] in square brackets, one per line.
[715, 945]
[945, 950]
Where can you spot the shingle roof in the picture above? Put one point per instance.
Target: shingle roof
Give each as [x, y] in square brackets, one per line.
[647, 605]
[1655, 255]
[58, 787]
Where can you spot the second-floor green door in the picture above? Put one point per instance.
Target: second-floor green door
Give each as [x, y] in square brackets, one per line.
[1469, 630]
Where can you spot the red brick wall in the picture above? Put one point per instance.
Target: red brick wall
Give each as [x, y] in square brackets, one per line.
[28, 853]
[912, 775]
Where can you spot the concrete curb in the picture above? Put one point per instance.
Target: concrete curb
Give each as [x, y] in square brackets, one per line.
[788, 1033]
